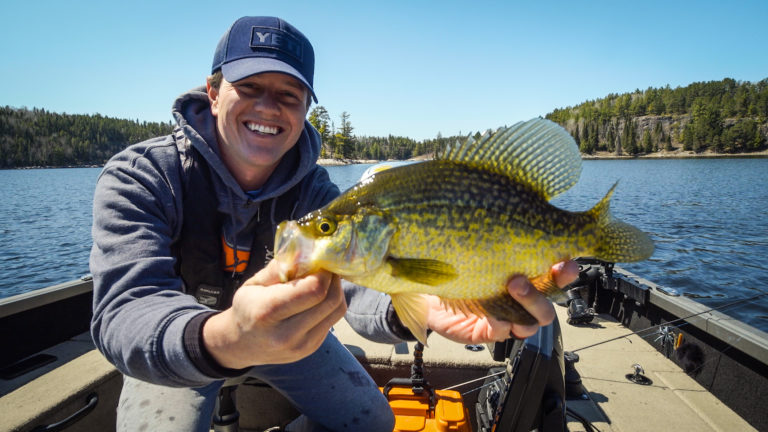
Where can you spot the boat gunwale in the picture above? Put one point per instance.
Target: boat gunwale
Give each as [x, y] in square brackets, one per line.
[33, 299]
[742, 336]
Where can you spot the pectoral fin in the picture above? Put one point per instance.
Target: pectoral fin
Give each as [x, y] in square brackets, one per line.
[424, 271]
[411, 308]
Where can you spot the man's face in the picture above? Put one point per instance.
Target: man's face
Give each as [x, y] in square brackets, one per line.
[258, 119]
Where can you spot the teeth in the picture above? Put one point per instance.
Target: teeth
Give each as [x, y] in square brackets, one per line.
[262, 129]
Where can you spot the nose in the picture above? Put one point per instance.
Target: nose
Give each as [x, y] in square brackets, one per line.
[267, 102]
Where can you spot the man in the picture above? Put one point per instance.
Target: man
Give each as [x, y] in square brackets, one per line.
[183, 226]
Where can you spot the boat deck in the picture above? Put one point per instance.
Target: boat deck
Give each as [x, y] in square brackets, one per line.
[673, 401]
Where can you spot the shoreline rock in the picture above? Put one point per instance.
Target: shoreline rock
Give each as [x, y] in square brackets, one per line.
[675, 154]
[340, 162]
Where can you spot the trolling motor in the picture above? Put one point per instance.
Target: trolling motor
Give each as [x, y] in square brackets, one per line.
[578, 311]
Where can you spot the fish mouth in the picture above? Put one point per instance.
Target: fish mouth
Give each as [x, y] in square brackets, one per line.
[293, 251]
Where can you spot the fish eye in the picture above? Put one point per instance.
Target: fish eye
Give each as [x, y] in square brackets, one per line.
[325, 226]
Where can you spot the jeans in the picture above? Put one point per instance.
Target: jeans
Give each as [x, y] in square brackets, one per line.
[330, 388]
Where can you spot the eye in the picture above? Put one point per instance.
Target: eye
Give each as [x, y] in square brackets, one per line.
[248, 88]
[291, 98]
[325, 226]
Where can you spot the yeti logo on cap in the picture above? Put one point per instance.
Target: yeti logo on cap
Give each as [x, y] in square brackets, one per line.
[273, 38]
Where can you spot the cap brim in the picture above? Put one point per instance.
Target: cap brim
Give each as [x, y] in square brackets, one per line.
[243, 68]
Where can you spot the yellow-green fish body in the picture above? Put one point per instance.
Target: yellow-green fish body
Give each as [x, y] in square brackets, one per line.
[459, 227]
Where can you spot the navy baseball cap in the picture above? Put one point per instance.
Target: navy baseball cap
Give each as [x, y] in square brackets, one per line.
[254, 45]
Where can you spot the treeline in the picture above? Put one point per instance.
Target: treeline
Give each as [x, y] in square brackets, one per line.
[341, 143]
[31, 138]
[725, 116]
[40, 138]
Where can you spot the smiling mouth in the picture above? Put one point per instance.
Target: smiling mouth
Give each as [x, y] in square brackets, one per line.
[263, 129]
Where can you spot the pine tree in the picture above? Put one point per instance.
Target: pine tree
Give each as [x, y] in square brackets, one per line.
[647, 143]
[345, 139]
[320, 120]
[629, 140]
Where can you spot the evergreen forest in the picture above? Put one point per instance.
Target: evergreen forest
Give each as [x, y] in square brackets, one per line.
[724, 116]
[719, 116]
[38, 138]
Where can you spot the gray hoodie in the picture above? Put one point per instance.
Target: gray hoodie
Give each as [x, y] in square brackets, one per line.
[143, 321]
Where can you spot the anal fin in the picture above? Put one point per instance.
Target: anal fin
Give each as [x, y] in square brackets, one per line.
[546, 285]
[412, 310]
[501, 307]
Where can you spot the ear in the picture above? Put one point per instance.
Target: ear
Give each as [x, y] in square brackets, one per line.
[213, 98]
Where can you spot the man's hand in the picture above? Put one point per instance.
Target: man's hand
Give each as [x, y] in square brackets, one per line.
[272, 322]
[474, 330]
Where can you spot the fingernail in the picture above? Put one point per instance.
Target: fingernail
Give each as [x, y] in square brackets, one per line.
[558, 267]
[522, 286]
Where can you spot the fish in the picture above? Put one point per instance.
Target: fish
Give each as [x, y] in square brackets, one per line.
[461, 225]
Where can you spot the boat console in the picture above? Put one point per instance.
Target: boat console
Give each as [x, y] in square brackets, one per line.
[530, 394]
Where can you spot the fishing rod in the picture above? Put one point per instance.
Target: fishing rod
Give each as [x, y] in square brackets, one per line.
[722, 307]
[499, 388]
[474, 380]
[718, 308]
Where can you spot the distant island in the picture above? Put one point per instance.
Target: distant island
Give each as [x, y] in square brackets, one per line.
[705, 119]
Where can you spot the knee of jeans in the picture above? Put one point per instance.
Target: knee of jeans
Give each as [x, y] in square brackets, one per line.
[382, 419]
[388, 423]
[384, 423]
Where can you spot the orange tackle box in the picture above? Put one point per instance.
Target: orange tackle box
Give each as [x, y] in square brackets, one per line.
[412, 412]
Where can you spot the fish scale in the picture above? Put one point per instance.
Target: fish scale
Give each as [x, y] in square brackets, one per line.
[461, 226]
[500, 199]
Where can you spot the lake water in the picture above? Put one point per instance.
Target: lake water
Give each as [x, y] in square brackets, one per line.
[708, 218]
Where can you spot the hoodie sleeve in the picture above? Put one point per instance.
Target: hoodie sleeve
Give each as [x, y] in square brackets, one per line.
[371, 315]
[140, 310]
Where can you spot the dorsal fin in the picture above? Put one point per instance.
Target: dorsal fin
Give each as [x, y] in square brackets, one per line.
[538, 152]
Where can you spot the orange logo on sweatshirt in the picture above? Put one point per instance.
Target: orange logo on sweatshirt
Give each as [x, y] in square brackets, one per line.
[234, 260]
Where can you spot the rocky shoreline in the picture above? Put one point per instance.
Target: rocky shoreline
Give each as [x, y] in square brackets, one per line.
[339, 162]
[675, 154]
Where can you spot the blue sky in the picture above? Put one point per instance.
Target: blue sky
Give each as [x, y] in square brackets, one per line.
[410, 68]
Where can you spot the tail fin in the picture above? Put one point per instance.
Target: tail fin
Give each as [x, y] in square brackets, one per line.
[618, 241]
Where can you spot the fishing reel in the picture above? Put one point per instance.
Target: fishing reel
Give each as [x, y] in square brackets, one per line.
[578, 311]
